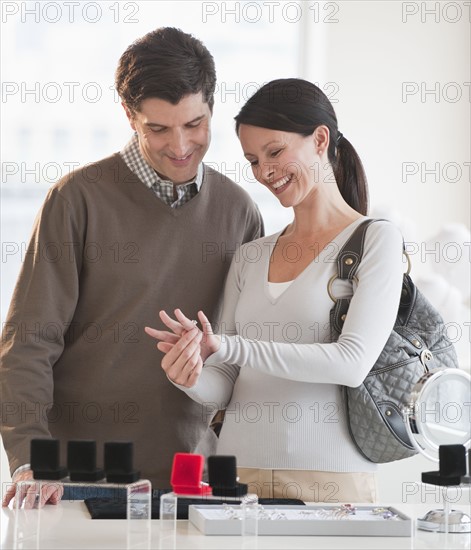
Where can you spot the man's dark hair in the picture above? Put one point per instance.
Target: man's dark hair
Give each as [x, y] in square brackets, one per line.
[167, 64]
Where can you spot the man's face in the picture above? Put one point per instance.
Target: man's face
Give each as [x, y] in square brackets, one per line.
[173, 138]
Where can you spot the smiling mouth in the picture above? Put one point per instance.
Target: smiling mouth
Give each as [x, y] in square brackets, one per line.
[180, 159]
[281, 184]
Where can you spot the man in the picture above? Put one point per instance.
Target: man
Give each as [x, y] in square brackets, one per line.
[146, 229]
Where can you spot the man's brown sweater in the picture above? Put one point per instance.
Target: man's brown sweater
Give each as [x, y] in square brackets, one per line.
[106, 255]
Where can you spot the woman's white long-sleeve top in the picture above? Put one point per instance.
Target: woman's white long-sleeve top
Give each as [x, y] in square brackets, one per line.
[277, 373]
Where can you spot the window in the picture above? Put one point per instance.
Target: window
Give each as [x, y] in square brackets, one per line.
[60, 109]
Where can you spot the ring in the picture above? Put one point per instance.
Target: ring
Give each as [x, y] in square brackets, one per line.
[194, 322]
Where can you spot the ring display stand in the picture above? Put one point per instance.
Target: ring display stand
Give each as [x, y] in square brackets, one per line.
[138, 509]
[83, 475]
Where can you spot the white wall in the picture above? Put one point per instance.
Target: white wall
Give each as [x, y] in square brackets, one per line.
[377, 60]
[382, 60]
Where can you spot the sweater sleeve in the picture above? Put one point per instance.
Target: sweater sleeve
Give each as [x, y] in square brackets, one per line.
[369, 322]
[41, 309]
[256, 228]
[217, 379]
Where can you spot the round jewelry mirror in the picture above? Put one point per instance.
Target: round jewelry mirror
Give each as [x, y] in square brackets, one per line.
[438, 413]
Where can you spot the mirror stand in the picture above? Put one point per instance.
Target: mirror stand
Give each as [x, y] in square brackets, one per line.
[437, 423]
[445, 520]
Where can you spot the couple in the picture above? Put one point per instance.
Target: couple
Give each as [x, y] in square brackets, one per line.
[138, 221]
[272, 365]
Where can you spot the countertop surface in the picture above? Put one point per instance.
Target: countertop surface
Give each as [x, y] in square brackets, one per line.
[68, 525]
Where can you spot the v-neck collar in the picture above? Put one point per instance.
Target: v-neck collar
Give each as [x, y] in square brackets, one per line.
[316, 260]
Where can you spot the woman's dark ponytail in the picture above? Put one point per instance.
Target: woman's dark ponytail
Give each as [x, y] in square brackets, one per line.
[350, 176]
[296, 105]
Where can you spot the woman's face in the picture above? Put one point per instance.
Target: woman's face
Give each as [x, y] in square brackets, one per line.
[288, 164]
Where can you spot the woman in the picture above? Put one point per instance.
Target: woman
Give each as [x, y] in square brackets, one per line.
[272, 366]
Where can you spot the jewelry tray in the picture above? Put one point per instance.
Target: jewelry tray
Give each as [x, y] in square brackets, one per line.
[213, 520]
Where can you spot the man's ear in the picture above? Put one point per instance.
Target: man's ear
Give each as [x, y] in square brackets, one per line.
[130, 116]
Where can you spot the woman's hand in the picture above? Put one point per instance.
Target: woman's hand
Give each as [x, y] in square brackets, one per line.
[186, 347]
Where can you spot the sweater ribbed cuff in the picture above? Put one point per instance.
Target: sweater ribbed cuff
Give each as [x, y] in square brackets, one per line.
[20, 469]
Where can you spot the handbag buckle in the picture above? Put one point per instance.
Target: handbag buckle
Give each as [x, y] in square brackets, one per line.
[425, 356]
[331, 282]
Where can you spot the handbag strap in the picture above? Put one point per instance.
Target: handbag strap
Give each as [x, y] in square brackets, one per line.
[348, 261]
[349, 257]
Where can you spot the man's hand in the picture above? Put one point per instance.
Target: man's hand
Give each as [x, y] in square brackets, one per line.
[51, 493]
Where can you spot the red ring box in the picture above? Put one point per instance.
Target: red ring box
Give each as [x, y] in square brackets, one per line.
[187, 474]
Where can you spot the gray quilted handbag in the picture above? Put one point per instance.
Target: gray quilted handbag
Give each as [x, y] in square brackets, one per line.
[418, 343]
